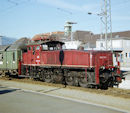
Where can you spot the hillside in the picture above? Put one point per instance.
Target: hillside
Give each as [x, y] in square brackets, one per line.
[6, 40]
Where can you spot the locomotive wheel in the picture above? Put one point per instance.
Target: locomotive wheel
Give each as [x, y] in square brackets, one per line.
[57, 78]
[41, 77]
[48, 78]
[104, 86]
[85, 81]
[72, 79]
[69, 80]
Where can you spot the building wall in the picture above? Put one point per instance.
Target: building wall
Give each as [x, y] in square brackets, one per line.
[125, 57]
[119, 44]
[72, 44]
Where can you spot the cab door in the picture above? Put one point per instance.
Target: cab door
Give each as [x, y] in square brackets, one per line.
[37, 54]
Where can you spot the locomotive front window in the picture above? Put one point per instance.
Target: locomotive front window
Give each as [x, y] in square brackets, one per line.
[29, 48]
[37, 48]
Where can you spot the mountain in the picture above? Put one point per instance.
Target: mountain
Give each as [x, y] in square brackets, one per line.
[6, 40]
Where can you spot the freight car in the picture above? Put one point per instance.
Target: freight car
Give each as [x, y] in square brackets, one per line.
[10, 56]
[48, 62]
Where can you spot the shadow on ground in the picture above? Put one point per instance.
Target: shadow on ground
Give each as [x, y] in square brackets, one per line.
[7, 91]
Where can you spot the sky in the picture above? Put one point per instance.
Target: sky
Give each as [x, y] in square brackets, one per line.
[26, 18]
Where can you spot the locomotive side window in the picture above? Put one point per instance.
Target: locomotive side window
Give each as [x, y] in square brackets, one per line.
[1, 56]
[13, 56]
[51, 48]
[44, 47]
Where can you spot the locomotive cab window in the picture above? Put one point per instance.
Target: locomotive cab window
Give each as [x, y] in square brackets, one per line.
[1, 56]
[52, 46]
[44, 47]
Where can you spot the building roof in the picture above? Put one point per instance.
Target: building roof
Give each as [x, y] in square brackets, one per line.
[48, 36]
[87, 37]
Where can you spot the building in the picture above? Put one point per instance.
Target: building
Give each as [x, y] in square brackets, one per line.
[125, 60]
[72, 44]
[120, 45]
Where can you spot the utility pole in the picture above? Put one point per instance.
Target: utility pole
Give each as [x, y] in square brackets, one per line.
[106, 23]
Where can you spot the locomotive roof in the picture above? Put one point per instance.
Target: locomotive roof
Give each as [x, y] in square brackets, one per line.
[46, 42]
[19, 44]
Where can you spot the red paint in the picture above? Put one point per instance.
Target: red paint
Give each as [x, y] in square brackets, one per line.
[118, 79]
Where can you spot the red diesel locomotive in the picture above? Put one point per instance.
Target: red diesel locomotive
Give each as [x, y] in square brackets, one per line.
[48, 62]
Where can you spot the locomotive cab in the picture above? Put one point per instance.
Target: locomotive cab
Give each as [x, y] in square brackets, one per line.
[36, 50]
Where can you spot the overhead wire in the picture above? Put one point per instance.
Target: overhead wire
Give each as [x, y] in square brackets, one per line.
[14, 4]
[121, 2]
[63, 10]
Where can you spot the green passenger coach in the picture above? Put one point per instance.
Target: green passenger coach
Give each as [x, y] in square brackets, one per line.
[3, 59]
[10, 57]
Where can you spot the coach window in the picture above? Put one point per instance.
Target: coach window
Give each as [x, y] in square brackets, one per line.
[126, 55]
[1, 56]
[13, 56]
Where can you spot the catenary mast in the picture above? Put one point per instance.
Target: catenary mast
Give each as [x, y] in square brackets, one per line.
[106, 23]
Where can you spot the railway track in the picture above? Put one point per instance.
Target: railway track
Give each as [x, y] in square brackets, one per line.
[116, 92]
